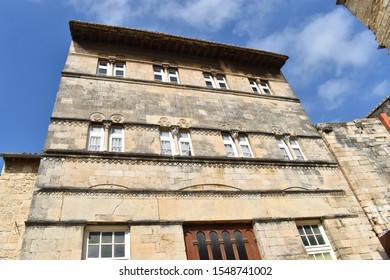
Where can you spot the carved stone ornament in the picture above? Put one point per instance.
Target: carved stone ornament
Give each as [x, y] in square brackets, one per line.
[239, 127]
[112, 59]
[277, 131]
[182, 123]
[106, 125]
[117, 118]
[292, 134]
[164, 122]
[174, 129]
[234, 133]
[97, 117]
[224, 126]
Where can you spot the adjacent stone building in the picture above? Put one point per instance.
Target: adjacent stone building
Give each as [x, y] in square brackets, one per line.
[375, 14]
[362, 148]
[166, 147]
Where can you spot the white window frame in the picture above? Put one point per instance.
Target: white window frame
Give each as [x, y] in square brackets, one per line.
[254, 86]
[114, 135]
[166, 74]
[169, 139]
[220, 79]
[264, 86]
[243, 141]
[111, 68]
[104, 67]
[313, 250]
[283, 146]
[215, 81]
[117, 68]
[295, 147]
[186, 139]
[227, 142]
[99, 134]
[106, 229]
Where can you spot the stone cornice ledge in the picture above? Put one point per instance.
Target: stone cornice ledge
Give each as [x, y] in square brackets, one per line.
[136, 158]
[144, 193]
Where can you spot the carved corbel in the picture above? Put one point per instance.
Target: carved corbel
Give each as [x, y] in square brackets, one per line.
[174, 130]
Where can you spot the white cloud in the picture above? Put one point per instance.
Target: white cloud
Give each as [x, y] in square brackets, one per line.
[322, 44]
[334, 92]
[382, 89]
[202, 14]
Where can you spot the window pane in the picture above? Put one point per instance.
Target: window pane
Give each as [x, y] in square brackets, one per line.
[245, 151]
[93, 251]
[185, 148]
[228, 246]
[284, 153]
[166, 148]
[304, 240]
[327, 256]
[229, 150]
[173, 79]
[217, 255]
[300, 229]
[312, 240]
[183, 135]
[94, 238]
[320, 239]
[203, 254]
[106, 237]
[119, 251]
[308, 230]
[240, 245]
[311, 257]
[119, 73]
[106, 251]
[119, 237]
[209, 84]
[102, 71]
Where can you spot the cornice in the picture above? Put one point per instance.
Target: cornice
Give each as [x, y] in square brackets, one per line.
[167, 43]
[150, 193]
[157, 159]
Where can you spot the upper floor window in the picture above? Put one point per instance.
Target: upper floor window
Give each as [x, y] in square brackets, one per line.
[290, 149]
[217, 81]
[261, 87]
[96, 137]
[284, 149]
[167, 144]
[231, 150]
[116, 139]
[244, 146]
[316, 243]
[176, 142]
[106, 68]
[166, 74]
[237, 146]
[185, 144]
[107, 243]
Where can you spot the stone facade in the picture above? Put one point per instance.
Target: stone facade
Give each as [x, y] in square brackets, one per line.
[17, 182]
[362, 149]
[290, 178]
[375, 14]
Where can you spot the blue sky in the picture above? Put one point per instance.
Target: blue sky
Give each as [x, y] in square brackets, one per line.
[334, 68]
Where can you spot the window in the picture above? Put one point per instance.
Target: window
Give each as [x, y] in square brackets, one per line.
[316, 243]
[244, 146]
[217, 81]
[185, 144]
[221, 242]
[116, 139]
[170, 75]
[296, 150]
[167, 144]
[96, 136]
[107, 243]
[106, 68]
[284, 149]
[261, 86]
[229, 144]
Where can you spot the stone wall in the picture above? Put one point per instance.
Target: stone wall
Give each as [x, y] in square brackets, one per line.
[375, 14]
[17, 183]
[362, 149]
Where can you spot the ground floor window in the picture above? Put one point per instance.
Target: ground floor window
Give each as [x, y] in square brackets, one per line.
[106, 242]
[221, 242]
[316, 242]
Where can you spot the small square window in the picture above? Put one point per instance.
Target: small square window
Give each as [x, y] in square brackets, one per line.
[106, 242]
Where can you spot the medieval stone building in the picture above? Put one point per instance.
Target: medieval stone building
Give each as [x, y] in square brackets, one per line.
[166, 147]
[375, 14]
[362, 148]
